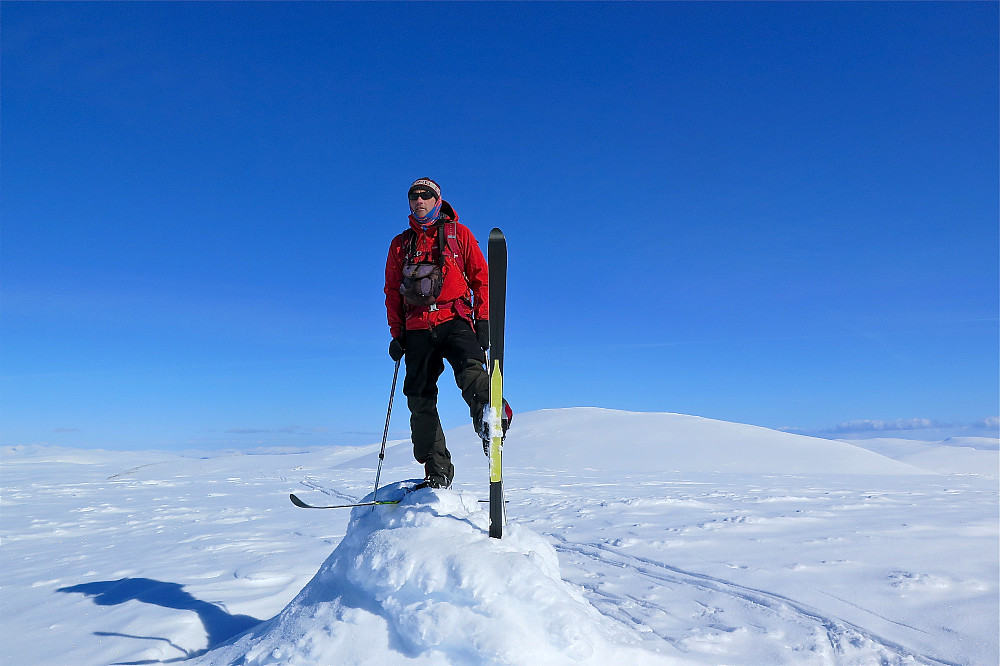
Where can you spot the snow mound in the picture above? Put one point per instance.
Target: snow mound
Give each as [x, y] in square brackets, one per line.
[422, 582]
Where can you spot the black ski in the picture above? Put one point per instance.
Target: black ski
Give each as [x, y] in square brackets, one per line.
[302, 505]
[496, 255]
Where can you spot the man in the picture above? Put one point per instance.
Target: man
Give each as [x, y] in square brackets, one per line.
[437, 303]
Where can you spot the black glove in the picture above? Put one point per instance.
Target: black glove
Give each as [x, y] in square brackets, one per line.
[396, 349]
[483, 333]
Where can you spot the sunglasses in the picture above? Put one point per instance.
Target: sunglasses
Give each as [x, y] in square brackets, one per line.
[426, 195]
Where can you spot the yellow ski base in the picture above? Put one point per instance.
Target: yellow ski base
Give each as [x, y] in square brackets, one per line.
[496, 429]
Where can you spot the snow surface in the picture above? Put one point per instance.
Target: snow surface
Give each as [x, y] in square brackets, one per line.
[632, 538]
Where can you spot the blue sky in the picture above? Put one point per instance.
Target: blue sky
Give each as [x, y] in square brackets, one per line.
[780, 214]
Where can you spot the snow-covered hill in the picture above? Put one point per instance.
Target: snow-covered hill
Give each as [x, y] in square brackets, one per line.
[618, 442]
[632, 537]
[955, 455]
[615, 441]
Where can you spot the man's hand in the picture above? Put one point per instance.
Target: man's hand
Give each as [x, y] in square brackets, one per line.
[396, 349]
[483, 333]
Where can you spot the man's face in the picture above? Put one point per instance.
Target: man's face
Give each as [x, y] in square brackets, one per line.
[422, 202]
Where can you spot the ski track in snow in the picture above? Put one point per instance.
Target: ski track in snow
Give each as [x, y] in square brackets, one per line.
[795, 523]
[115, 557]
[838, 632]
[326, 490]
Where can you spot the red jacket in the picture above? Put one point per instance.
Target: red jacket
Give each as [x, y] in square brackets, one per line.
[458, 291]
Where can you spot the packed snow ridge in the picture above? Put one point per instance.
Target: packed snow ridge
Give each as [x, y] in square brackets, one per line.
[422, 582]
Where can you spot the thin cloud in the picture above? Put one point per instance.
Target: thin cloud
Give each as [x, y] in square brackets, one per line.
[288, 430]
[869, 425]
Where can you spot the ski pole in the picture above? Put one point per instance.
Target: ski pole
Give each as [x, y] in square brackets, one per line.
[385, 433]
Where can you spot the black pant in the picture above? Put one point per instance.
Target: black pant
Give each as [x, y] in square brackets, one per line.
[426, 352]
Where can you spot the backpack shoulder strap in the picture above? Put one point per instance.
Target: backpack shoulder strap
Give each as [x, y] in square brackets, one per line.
[451, 238]
[409, 244]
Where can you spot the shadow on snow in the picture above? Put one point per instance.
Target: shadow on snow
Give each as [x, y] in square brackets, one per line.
[219, 625]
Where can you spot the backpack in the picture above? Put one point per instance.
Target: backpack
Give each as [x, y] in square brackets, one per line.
[422, 279]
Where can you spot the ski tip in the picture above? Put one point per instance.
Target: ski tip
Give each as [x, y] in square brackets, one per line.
[496, 233]
[296, 501]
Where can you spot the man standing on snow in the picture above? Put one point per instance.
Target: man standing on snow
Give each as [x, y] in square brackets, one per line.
[437, 302]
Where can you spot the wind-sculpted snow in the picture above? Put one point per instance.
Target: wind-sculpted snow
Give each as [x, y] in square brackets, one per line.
[422, 582]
